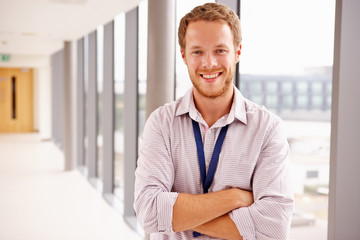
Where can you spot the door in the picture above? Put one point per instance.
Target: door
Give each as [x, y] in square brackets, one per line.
[16, 100]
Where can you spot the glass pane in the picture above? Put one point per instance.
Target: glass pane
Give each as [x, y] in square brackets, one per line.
[142, 65]
[288, 102]
[183, 82]
[287, 87]
[317, 87]
[119, 84]
[302, 87]
[281, 45]
[271, 87]
[100, 83]
[271, 101]
[302, 102]
[255, 88]
[317, 102]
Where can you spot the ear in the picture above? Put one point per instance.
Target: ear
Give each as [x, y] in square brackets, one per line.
[183, 56]
[238, 52]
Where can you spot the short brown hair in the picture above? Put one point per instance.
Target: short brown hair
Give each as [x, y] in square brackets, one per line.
[210, 12]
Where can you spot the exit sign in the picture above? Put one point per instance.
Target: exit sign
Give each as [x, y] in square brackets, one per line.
[4, 57]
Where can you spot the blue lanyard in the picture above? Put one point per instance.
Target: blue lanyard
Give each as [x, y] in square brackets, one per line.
[207, 179]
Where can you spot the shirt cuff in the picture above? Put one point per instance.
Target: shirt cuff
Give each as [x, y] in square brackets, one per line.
[165, 204]
[244, 222]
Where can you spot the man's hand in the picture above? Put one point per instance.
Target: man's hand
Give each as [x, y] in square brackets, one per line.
[191, 211]
[247, 198]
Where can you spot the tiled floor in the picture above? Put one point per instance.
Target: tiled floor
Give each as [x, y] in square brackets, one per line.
[39, 201]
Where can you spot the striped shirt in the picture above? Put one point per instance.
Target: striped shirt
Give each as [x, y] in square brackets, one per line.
[253, 157]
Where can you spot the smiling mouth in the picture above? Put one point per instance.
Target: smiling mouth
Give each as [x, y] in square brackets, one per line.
[211, 76]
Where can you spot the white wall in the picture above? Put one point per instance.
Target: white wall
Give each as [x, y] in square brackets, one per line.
[26, 61]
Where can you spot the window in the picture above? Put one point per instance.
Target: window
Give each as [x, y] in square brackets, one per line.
[142, 64]
[100, 83]
[291, 43]
[119, 84]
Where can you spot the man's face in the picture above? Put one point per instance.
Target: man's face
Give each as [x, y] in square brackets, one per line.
[211, 57]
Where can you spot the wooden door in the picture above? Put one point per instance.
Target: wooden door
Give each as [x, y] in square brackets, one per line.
[16, 100]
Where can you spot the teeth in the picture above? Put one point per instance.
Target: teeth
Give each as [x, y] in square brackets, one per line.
[214, 75]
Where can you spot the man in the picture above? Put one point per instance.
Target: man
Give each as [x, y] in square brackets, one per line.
[212, 163]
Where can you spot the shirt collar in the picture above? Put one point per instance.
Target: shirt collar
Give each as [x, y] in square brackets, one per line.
[185, 102]
[237, 111]
[239, 106]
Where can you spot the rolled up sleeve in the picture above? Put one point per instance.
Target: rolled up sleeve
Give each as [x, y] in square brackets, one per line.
[154, 178]
[269, 217]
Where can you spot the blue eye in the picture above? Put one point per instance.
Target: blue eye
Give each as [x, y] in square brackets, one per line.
[221, 51]
[197, 52]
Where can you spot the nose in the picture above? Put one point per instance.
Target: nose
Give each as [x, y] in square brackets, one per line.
[209, 61]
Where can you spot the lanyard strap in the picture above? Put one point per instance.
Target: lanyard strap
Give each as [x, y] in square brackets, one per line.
[207, 179]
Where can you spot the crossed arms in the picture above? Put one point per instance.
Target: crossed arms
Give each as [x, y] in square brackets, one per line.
[264, 213]
[208, 213]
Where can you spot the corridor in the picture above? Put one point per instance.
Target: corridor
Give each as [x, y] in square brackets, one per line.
[39, 201]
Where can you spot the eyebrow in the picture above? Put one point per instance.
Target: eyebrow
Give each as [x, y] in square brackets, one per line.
[195, 47]
[221, 45]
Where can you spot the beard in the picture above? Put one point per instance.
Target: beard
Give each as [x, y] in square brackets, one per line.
[214, 92]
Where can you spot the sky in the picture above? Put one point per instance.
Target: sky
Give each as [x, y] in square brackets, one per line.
[286, 36]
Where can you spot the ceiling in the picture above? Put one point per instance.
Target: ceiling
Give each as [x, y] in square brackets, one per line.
[40, 27]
